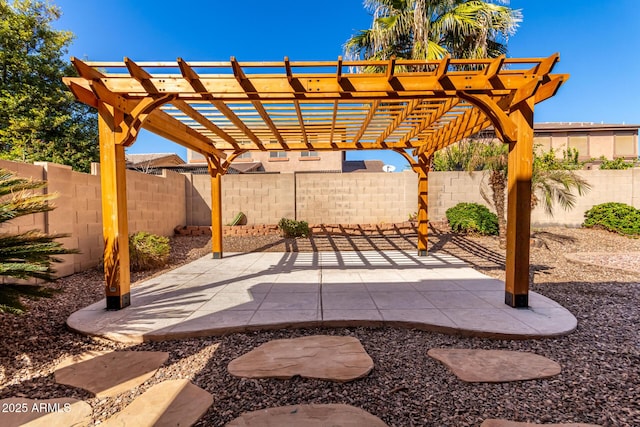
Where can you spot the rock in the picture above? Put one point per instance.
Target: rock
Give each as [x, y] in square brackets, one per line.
[495, 366]
[44, 413]
[108, 374]
[308, 416]
[506, 423]
[329, 358]
[170, 403]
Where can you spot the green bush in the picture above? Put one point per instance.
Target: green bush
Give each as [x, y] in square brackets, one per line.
[293, 228]
[616, 217]
[147, 251]
[472, 218]
[616, 164]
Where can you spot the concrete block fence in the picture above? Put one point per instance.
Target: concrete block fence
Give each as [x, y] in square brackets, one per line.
[160, 204]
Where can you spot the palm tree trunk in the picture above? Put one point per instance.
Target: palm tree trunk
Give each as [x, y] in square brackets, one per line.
[498, 183]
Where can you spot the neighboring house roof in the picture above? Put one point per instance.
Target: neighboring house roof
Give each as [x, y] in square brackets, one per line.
[362, 166]
[245, 167]
[153, 160]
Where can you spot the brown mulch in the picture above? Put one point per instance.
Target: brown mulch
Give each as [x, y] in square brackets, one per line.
[599, 383]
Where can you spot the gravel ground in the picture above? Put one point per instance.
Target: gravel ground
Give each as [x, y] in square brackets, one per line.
[600, 381]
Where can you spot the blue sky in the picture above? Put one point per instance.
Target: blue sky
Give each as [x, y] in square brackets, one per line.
[598, 42]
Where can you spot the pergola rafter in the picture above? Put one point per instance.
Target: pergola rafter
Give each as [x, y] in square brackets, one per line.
[222, 109]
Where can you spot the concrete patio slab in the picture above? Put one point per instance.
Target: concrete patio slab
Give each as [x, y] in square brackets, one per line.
[269, 290]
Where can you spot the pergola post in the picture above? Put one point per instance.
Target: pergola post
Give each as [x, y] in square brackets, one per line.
[519, 207]
[215, 170]
[114, 208]
[423, 204]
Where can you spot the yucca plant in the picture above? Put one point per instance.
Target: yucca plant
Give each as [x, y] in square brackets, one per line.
[27, 255]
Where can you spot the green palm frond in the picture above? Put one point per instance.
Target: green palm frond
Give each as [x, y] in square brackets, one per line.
[557, 186]
[26, 255]
[10, 296]
[413, 29]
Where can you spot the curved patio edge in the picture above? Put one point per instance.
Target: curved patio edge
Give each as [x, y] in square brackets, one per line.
[267, 291]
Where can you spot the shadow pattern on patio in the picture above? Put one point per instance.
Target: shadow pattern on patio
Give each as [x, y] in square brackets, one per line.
[272, 290]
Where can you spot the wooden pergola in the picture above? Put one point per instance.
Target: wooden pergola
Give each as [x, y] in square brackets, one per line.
[223, 109]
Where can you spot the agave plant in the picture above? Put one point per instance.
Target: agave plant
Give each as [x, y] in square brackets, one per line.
[26, 255]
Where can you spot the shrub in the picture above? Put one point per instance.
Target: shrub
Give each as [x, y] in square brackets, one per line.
[293, 228]
[616, 164]
[617, 217]
[147, 251]
[472, 218]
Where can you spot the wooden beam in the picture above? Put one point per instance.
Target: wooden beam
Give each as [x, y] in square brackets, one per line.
[423, 205]
[429, 120]
[208, 124]
[397, 121]
[365, 123]
[519, 208]
[391, 68]
[86, 71]
[166, 126]
[334, 116]
[229, 114]
[470, 123]
[549, 88]
[270, 124]
[251, 91]
[216, 172]
[141, 75]
[546, 65]
[505, 128]
[82, 94]
[412, 162]
[305, 138]
[193, 78]
[114, 209]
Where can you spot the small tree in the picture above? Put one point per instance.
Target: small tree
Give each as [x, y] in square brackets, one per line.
[39, 117]
[553, 180]
[25, 255]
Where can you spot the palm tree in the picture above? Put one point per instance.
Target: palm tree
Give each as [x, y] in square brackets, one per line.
[420, 29]
[552, 181]
[26, 255]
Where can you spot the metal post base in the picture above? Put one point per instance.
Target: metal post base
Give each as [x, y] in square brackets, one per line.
[118, 302]
[217, 255]
[516, 301]
[423, 253]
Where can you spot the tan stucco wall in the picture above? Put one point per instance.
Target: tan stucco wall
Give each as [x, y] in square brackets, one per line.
[155, 204]
[293, 162]
[312, 197]
[599, 143]
[159, 203]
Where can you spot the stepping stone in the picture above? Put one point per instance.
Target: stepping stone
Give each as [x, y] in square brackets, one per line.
[495, 366]
[108, 374]
[506, 423]
[308, 416]
[322, 357]
[44, 412]
[170, 403]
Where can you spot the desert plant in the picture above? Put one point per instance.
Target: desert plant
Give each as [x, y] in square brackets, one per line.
[147, 251]
[239, 219]
[617, 217]
[26, 255]
[616, 164]
[472, 218]
[293, 228]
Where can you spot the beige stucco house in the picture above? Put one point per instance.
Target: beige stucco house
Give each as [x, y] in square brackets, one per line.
[592, 140]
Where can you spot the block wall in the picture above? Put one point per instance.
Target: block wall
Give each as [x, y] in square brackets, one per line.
[155, 203]
[264, 198]
[356, 198]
